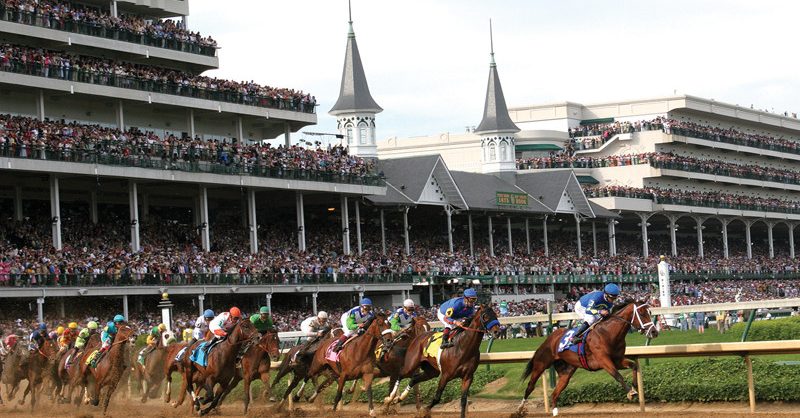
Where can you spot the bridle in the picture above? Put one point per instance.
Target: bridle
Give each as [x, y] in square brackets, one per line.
[645, 327]
[485, 325]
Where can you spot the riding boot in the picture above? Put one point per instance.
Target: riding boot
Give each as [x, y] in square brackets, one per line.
[579, 334]
[446, 338]
[340, 343]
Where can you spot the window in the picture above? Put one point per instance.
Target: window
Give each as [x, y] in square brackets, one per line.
[503, 151]
[492, 152]
[349, 135]
[362, 134]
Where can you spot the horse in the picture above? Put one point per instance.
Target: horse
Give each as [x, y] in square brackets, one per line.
[297, 361]
[152, 372]
[171, 366]
[13, 372]
[111, 367]
[35, 367]
[221, 367]
[76, 375]
[356, 359]
[393, 355]
[255, 364]
[605, 349]
[461, 360]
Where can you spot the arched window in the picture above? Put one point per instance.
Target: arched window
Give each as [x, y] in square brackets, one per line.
[492, 152]
[503, 150]
[362, 133]
[349, 134]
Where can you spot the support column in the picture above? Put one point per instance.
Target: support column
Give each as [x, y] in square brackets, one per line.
[240, 129]
[544, 230]
[358, 226]
[314, 302]
[40, 309]
[200, 304]
[699, 220]
[406, 230]
[770, 226]
[93, 207]
[645, 245]
[724, 223]
[18, 215]
[383, 234]
[578, 234]
[61, 311]
[491, 238]
[528, 235]
[269, 301]
[510, 247]
[449, 212]
[125, 306]
[673, 227]
[133, 205]
[594, 239]
[190, 129]
[791, 240]
[430, 292]
[748, 241]
[345, 227]
[471, 242]
[301, 221]
[55, 212]
[40, 105]
[113, 7]
[120, 114]
[252, 220]
[204, 227]
[612, 248]
[287, 135]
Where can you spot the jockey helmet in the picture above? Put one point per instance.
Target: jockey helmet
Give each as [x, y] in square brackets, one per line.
[366, 302]
[91, 325]
[322, 315]
[470, 293]
[119, 318]
[408, 303]
[162, 327]
[235, 312]
[264, 310]
[208, 313]
[59, 330]
[611, 289]
[53, 335]
[42, 327]
[73, 325]
[111, 328]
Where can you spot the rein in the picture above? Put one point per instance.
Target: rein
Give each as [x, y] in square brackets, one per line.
[644, 327]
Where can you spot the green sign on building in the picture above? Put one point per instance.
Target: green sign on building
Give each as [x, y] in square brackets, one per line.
[511, 199]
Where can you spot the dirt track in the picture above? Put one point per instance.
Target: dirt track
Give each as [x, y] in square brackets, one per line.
[483, 408]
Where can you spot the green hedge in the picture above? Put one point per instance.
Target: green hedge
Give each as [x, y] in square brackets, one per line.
[772, 330]
[713, 379]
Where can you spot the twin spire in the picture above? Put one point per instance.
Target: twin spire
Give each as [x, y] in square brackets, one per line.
[495, 112]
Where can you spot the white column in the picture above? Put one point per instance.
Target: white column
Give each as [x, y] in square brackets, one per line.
[594, 239]
[528, 235]
[55, 212]
[645, 245]
[204, 226]
[240, 129]
[430, 292]
[133, 205]
[748, 241]
[252, 220]
[578, 234]
[358, 226]
[544, 229]
[700, 251]
[725, 223]
[510, 248]
[120, 113]
[407, 230]
[185, 22]
[61, 309]
[471, 245]
[383, 234]
[40, 105]
[113, 7]
[200, 304]
[611, 247]
[314, 302]
[491, 238]
[345, 226]
[791, 240]
[18, 215]
[125, 306]
[770, 225]
[672, 232]
[287, 135]
[269, 301]
[40, 308]
[449, 212]
[190, 129]
[301, 222]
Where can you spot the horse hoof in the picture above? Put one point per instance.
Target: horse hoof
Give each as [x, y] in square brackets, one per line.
[555, 412]
[272, 399]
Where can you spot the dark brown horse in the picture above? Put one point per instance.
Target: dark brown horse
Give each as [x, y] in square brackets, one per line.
[111, 367]
[13, 370]
[151, 374]
[255, 364]
[356, 359]
[297, 361]
[461, 360]
[76, 374]
[392, 358]
[173, 366]
[36, 367]
[605, 349]
[220, 369]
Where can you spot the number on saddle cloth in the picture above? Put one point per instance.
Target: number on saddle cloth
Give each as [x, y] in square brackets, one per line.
[566, 340]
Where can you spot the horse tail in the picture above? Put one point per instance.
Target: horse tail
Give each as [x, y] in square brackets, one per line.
[528, 368]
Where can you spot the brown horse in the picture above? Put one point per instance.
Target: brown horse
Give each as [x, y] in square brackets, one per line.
[221, 367]
[461, 360]
[394, 353]
[255, 364]
[111, 367]
[302, 355]
[172, 366]
[13, 372]
[356, 359]
[151, 374]
[36, 367]
[605, 349]
[76, 375]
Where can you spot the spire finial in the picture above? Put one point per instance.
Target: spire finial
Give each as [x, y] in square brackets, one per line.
[350, 33]
[491, 44]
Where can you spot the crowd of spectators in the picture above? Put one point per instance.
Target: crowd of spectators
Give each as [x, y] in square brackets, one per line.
[85, 69]
[26, 137]
[84, 19]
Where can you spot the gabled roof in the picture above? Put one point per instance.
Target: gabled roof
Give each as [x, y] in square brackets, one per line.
[601, 212]
[480, 192]
[409, 176]
[354, 93]
[393, 197]
[550, 186]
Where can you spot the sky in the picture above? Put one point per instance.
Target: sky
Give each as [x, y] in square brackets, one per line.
[427, 61]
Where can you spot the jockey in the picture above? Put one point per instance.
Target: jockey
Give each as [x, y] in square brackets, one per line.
[38, 337]
[221, 325]
[315, 326]
[153, 341]
[186, 334]
[454, 312]
[592, 306]
[59, 331]
[10, 342]
[353, 321]
[80, 342]
[201, 326]
[68, 336]
[262, 320]
[107, 339]
[403, 317]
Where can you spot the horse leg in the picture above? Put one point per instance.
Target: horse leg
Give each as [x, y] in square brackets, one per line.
[428, 372]
[223, 387]
[565, 372]
[143, 387]
[394, 384]
[466, 382]
[319, 388]
[355, 392]
[538, 369]
[630, 364]
[246, 393]
[339, 390]
[288, 393]
[265, 393]
[437, 397]
[368, 385]
[611, 369]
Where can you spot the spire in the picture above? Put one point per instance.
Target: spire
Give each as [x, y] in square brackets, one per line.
[495, 112]
[354, 94]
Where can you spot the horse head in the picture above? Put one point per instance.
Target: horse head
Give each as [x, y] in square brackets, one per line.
[242, 331]
[637, 313]
[377, 324]
[125, 334]
[485, 319]
[271, 344]
[420, 325]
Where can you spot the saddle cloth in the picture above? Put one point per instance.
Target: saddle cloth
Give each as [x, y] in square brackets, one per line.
[199, 354]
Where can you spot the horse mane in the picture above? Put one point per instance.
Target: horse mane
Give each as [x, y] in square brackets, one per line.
[619, 306]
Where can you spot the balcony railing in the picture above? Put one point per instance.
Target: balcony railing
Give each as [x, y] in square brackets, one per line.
[92, 29]
[775, 176]
[83, 75]
[150, 161]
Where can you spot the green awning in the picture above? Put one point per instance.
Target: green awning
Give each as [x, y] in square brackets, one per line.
[594, 121]
[587, 180]
[538, 147]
